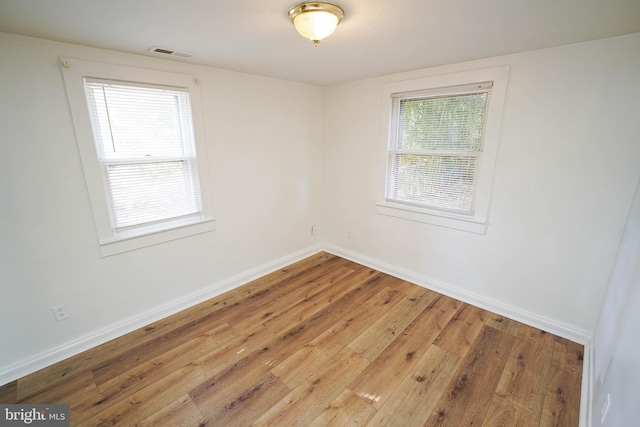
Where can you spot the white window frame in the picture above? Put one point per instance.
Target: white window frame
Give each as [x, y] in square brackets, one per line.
[477, 221]
[111, 241]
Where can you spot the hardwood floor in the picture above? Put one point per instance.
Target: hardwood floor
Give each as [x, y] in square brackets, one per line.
[322, 342]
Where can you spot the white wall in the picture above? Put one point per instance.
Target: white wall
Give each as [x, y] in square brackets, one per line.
[615, 343]
[264, 151]
[566, 171]
[622, 381]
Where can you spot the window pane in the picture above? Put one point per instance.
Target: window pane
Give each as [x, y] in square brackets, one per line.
[149, 192]
[441, 182]
[442, 123]
[136, 122]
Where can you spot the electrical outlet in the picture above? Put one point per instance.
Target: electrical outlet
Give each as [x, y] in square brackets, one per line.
[314, 230]
[349, 234]
[605, 409]
[60, 312]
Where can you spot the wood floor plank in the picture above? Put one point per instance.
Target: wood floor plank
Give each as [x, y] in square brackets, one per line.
[143, 403]
[259, 362]
[417, 395]
[58, 373]
[9, 393]
[384, 331]
[391, 366]
[306, 402]
[359, 318]
[276, 351]
[394, 286]
[237, 383]
[282, 299]
[73, 390]
[296, 368]
[347, 410]
[501, 323]
[317, 302]
[143, 375]
[525, 376]
[324, 341]
[462, 330]
[243, 408]
[179, 413]
[470, 391]
[263, 292]
[504, 413]
[388, 297]
[562, 400]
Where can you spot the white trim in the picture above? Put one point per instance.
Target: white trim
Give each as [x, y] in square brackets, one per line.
[154, 237]
[586, 392]
[121, 328]
[439, 218]
[557, 328]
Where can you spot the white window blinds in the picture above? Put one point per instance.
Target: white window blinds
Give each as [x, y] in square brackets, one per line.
[145, 145]
[435, 146]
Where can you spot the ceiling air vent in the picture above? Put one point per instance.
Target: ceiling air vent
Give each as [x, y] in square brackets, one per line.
[163, 51]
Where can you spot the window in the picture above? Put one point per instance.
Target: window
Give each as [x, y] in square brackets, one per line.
[440, 148]
[144, 142]
[140, 139]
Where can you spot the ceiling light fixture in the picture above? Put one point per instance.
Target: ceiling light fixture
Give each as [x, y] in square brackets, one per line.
[316, 20]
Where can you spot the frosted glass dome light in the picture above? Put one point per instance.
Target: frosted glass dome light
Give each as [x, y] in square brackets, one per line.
[316, 20]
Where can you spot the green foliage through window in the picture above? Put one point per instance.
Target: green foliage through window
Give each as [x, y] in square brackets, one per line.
[443, 123]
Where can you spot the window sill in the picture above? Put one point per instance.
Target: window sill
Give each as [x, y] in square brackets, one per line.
[139, 238]
[442, 219]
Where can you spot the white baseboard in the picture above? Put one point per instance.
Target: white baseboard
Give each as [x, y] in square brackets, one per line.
[77, 346]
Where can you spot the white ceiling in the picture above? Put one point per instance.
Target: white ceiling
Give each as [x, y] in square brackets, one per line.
[376, 37]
